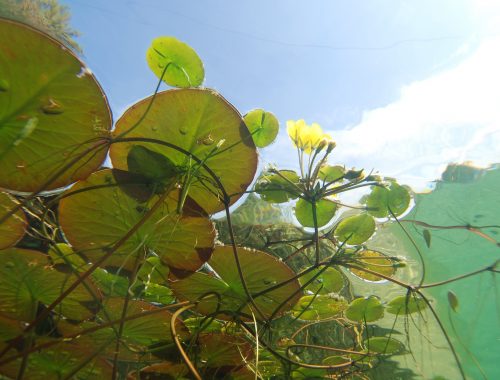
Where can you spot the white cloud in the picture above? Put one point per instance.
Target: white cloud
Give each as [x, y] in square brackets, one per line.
[451, 117]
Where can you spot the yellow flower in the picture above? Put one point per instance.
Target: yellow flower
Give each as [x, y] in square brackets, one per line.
[306, 137]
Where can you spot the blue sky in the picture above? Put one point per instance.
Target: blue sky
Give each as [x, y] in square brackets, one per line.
[404, 86]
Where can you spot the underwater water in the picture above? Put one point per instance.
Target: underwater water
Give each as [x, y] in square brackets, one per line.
[465, 197]
[414, 108]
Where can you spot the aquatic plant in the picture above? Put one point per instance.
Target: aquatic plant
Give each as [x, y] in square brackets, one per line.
[120, 273]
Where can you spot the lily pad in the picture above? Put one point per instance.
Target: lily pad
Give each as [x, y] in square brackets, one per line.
[220, 350]
[204, 124]
[278, 188]
[60, 362]
[375, 262]
[385, 345]
[12, 229]
[175, 62]
[320, 307]
[355, 229]
[365, 310]
[329, 281]
[43, 125]
[395, 198]
[263, 126]
[96, 213]
[329, 173]
[325, 210]
[27, 280]
[165, 370]
[260, 271]
[406, 305]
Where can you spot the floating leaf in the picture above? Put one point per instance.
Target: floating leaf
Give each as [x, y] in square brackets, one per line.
[164, 370]
[175, 62]
[325, 210]
[427, 238]
[59, 362]
[96, 213]
[329, 281]
[319, 307]
[141, 334]
[26, 280]
[385, 345]
[395, 198]
[365, 309]
[12, 229]
[220, 350]
[330, 173]
[260, 271]
[43, 125]
[278, 188]
[196, 120]
[355, 229]
[263, 126]
[406, 305]
[154, 166]
[375, 262]
[453, 301]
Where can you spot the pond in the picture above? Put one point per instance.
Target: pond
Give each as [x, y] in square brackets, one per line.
[406, 91]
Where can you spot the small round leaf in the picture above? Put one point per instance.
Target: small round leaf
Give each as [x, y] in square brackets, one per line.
[263, 126]
[175, 62]
[365, 310]
[325, 210]
[355, 229]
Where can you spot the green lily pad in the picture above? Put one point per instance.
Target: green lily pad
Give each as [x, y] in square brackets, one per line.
[317, 308]
[154, 166]
[43, 125]
[375, 262]
[139, 335]
[204, 124]
[329, 281]
[385, 345]
[96, 213]
[176, 61]
[164, 370]
[13, 228]
[406, 305]
[365, 309]
[27, 280]
[260, 271]
[263, 126]
[394, 197]
[59, 362]
[325, 210]
[278, 188]
[329, 173]
[355, 229]
[219, 350]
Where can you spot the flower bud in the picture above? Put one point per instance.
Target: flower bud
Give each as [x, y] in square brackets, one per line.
[331, 146]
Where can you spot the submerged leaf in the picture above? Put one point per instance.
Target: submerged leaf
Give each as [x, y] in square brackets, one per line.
[365, 310]
[355, 229]
[453, 301]
[427, 238]
[384, 345]
[408, 304]
[319, 307]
